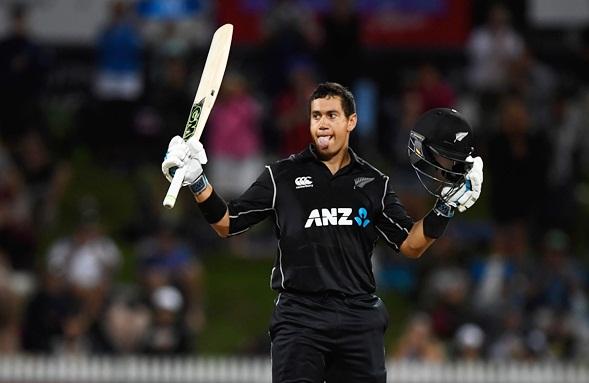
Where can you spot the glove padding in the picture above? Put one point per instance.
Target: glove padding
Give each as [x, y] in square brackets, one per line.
[188, 155]
[467, 194]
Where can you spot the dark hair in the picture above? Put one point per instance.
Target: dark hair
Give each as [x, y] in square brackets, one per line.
[332, 89]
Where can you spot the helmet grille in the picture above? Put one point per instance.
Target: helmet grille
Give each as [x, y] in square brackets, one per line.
[434, 169]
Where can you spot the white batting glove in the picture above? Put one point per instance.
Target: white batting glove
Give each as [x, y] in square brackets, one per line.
[190, 156]
[469, 192]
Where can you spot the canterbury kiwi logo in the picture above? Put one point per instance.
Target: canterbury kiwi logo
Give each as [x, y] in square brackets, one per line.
[303, 182]
[193, 119]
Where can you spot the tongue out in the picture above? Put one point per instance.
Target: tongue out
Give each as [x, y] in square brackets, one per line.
[323, 142]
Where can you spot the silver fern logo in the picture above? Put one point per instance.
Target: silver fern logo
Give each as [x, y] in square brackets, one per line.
[360, 182]
[460, 136]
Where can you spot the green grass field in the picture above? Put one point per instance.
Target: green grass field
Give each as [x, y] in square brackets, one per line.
[239, 304]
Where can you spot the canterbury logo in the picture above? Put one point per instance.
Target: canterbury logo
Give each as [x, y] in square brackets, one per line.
[335, 216]
[303, 182]
[360, 182]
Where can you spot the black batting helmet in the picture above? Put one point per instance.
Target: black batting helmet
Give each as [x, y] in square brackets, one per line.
[439, 144]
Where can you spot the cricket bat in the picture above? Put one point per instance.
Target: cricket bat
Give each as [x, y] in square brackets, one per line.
[206, 94]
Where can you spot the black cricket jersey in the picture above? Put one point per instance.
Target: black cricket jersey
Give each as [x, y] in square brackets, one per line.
[327, 225]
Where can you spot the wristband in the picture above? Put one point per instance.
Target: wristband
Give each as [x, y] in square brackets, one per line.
[213, 208]
[199, 185]
[435, 222]
[443, 208]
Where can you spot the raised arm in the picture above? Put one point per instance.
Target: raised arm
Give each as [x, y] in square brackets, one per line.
[425, 231]
[191, 157]
[226, 219]
[205, 198]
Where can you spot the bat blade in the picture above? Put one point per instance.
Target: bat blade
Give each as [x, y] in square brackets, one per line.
[206, 94]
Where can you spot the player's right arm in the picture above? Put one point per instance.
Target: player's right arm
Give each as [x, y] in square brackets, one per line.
[222, 226]
[229, 219]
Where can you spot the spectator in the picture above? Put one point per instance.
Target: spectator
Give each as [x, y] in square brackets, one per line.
[537, 346]
[51, 301]
[289, 31]
[469, 342]
[492, 50]
[118, 85]
[86, 260]
[559, 276]
[168, 107]
[424, 90]
[448, 306]
[557, 296]
[234, 139]
[169, 44]
[124, 325]
[291, 124]
[9, 315]
[17, 231]
[168, 333]
[403, 113]
[435, 91]
[166, 260]
[23, 69]
[291, 23]
[418, 343]
[120, 65]
[510, 344]
[175, 26]
[46, 177]
[498, 276]
[517, 156]
[562, 342]
[341, 43]
[568, 138]
[75, 339]
[537, 83]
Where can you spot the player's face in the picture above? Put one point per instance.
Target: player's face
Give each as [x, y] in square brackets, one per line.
[330, 128]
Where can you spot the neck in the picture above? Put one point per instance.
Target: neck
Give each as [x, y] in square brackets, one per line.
[338, 161]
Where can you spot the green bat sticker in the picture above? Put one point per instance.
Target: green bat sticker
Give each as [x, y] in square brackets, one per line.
[193, 119]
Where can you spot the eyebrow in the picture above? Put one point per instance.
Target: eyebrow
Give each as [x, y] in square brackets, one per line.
[326, 112]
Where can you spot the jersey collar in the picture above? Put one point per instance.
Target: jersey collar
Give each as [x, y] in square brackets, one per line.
[310, 153]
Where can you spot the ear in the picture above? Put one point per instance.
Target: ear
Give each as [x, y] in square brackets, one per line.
[352, 121]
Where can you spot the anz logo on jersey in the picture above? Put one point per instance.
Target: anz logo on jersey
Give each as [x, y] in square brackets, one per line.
[337, 216]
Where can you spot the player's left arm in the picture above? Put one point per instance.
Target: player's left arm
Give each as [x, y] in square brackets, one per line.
[425, 231]
[416, 242]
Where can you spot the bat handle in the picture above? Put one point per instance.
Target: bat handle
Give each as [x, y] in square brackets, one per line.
[175, 185]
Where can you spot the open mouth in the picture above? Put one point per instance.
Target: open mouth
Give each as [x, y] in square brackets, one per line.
[323, 141]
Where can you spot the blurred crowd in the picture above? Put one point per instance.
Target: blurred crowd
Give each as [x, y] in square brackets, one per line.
[509, 281]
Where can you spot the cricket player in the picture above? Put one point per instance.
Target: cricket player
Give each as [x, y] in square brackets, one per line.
[329, 207]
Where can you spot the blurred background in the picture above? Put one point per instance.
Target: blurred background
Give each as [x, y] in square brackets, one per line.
[92, 91]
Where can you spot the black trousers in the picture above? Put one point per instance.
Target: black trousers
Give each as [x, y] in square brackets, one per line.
[328, 338]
